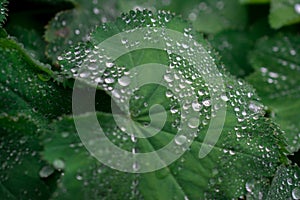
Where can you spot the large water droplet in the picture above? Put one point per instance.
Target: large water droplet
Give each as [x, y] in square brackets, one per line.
[297, 8]
[46, 171]
[296, 193]
[193, 123]
[250, 186]
[180, 140]
[124, 81]
[59, 164]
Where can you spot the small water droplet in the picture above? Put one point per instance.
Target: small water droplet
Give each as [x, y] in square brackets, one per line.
[168, 78]
[206, 102]
[135, 166]
[109, 64]
[196, 106]
[77, 32]
[96, 11]
[109, 80]
[292, 52]
[79, 177]
[224, 97]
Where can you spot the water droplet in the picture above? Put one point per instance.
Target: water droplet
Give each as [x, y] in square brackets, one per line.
[59, 164]
[46, 171]
[64, 134]
[193, 123]
[297, 8]
[250, 186]
[180, 140]
[109, 80]
[84, 74]
[255, 107]
[77, 32]
[196, 106]
[289, 181]
[79, 177]
[124, 81]
[192, 16]
[275, 49]
[109, 64]
[296, 193]
[224, 97]
[168, 78]
[173, 110]
[206, 102]
[96, 11]
[135, 166]
[116, 94]
[292, 52]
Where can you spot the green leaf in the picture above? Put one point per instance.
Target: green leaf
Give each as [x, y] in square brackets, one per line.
[254, 1]
[284, 13]
[3, 11]
[27, 103]
[276, 80]
[72, 26]
[223, 170]
[248, 140]
[32, 41]
[23, 173]
[233, 47]
[285, 184]
[209, 16]
[23, 85]
[83, 174]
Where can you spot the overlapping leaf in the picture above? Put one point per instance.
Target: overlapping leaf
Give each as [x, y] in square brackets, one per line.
[233, 47]
[28, 100]
[73, 26]
[284, 13]
[24, 175]
[285, 184]
[210, 16]
[277, 81]
[26, 84]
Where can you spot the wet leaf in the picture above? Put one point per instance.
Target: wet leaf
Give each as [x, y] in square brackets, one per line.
[32, 41]
[3, 11]
[248, 140]
[27, 102]
[21, 164]
[285, 184]
[276, 80]
[284, 13]
[26, 84]
[209, 16]
[233, 47]
[254, 1]
[72, 26]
